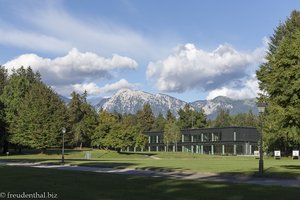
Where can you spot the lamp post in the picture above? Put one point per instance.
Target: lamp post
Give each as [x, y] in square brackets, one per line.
[63, 146]
[261, 109]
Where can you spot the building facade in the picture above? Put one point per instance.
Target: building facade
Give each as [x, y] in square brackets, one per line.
[214, 141]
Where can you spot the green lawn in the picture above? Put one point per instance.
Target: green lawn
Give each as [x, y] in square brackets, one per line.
[286, 167]
[92, 186]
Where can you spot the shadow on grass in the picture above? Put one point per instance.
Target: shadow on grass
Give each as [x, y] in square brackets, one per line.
[33, 160]
[66, 151]
[74, 162]
[291, 166]
[92, 186]
[162, 169]
[275, 172]
[47, 152]
[117, 165]
[137, 153]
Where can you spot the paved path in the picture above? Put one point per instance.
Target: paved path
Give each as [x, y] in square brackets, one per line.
[174, 175]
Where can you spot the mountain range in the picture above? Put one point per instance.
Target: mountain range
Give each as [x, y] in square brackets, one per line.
[130, 101]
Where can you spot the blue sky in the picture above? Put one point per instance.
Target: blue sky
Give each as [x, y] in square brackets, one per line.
[188, 49]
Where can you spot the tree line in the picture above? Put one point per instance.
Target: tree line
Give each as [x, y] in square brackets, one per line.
[32, 115]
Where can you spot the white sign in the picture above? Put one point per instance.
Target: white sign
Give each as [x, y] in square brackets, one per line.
[295, 153]
[256, 153]
[277, 153]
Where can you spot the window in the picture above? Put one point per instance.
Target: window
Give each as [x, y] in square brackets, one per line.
[152, 139]
[216, 137]
[160, 139]
[187, 138]
[206, 137]
[229, 149]
[197, 138]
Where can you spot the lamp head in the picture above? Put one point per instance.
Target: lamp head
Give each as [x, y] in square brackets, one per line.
[261, 107]
[63, 130]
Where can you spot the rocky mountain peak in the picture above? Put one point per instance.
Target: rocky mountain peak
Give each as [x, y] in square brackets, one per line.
[130, 101]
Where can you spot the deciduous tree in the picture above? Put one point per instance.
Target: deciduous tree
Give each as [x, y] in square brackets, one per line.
[172, 134]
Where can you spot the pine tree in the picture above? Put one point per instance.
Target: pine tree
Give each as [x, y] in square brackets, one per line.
[200, 119]
[283, 30]
[159, 123]
[3, 125]
[18, 84]
[189, 118]
[145, 118]
[170, 116]
[279, 80]
[3, 79]
[223, 118]
[83, 120]
[88, 123]
[186, 118]
[40, 118]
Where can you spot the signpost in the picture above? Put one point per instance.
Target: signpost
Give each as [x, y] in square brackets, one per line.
[256, 154]
[277, 154]
[295, 154]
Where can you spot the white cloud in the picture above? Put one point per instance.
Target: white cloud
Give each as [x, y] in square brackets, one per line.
[76, 71]
[75, 67]
[121, 84]
[93, 89]
[189, 68]
[248, 89]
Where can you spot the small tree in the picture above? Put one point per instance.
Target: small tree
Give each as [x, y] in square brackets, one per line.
[172, 134]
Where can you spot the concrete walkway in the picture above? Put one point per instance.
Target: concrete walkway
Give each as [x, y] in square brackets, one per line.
[173, 175]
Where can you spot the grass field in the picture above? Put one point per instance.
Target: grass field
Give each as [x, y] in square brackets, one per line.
[93, 186]
[285, 167]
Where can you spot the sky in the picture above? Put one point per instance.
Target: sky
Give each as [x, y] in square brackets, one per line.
[192, 50]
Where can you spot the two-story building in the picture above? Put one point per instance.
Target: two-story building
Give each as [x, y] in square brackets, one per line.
[221, 141]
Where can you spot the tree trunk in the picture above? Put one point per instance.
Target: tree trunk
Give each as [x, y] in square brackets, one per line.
[44, 150]
[286, 145]
[167, 146]
[80, 145]
[5, 147]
